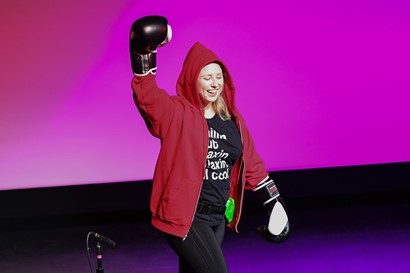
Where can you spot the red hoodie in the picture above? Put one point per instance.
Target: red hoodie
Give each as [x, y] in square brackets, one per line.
[179, 122]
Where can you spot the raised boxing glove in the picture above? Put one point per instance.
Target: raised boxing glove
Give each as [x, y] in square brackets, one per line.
[146, 35]
[277, 229]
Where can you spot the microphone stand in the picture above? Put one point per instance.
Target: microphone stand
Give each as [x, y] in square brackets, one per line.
[99, 259]
[99, 250]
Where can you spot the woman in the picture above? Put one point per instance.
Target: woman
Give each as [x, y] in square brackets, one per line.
[207, 157]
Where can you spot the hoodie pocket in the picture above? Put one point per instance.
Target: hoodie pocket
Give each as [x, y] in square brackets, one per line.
[175, 205]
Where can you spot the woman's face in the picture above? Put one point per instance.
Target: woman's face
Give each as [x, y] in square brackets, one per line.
[210, 83]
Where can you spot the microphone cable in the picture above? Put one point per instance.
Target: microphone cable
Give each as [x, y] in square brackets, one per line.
[88, 251]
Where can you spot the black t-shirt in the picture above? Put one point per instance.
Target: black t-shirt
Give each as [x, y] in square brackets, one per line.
[225, 146]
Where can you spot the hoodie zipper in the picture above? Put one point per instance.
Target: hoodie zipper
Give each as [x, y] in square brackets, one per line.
[241, 169]
[203, 174]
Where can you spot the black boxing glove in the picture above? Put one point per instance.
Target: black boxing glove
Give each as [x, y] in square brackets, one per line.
[277, 229]
[146, 35]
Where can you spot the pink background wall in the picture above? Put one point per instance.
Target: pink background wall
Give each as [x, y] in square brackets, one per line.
[321, 84]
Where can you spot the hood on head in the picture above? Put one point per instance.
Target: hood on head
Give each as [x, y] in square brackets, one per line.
[197, 57]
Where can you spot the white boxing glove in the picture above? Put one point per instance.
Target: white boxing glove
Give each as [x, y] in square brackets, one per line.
[277, 229]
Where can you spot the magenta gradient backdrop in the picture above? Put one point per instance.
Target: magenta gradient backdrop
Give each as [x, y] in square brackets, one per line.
[320, 83]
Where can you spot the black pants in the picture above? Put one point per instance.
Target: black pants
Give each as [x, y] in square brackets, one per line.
[201, 251]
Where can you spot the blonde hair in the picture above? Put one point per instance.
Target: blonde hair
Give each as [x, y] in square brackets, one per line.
[221, 108]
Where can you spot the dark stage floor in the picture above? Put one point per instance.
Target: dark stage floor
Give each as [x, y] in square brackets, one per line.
[361, 238]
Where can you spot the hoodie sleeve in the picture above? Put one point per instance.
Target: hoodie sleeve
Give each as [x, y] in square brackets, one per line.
[255, 169]
[154, 104]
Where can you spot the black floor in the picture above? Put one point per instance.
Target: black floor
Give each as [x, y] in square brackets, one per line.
[361, 237]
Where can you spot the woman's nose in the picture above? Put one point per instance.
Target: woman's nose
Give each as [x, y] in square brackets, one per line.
[214, 82]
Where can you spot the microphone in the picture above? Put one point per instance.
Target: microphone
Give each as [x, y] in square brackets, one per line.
[107, 241]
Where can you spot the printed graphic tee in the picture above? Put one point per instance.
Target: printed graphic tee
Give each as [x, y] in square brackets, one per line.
[224, 147]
